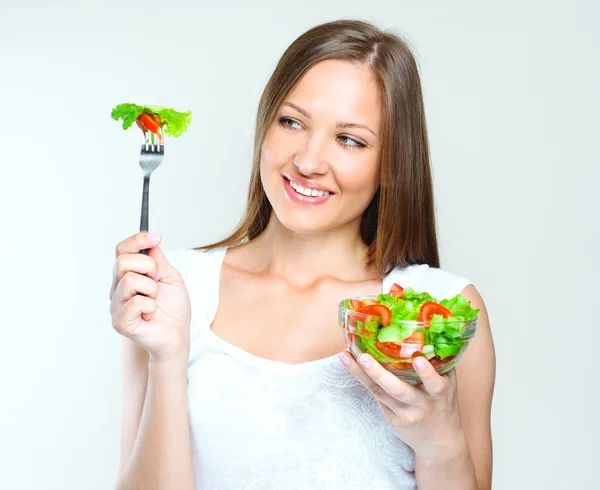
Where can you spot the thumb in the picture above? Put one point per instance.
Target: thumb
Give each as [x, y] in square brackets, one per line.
[164, 269]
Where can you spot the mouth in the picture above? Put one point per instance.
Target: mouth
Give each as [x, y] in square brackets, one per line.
[309, 190]
[308, 194]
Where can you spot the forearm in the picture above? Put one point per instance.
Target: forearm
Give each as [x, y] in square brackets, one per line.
[161, 456]
[452, 469]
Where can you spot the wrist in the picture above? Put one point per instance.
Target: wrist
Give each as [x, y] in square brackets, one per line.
[452, 449]
[172, 364]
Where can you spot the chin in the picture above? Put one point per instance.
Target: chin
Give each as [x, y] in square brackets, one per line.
[301, 222]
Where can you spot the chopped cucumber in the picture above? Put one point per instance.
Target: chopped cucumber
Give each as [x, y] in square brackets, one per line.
[428, 351]
[390, 334]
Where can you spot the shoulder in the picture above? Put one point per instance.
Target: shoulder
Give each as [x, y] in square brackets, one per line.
[438, 282]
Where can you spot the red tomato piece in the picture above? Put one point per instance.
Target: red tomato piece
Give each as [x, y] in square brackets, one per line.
[431, 308]
[437, 363]
[389, 349]
[411, 347]
[396, 291]
[379, 310]
[355, 304]
[416, 338]
[149, 122]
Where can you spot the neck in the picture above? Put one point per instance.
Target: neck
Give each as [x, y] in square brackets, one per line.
[338, 253]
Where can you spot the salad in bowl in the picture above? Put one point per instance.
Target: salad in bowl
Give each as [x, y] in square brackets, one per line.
[396, 327]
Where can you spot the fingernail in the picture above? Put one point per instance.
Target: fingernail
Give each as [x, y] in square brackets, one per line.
[344, 358]
[419, 364]
[152, 238]
[364, 361]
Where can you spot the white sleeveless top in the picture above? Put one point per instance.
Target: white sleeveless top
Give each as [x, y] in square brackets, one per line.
[259, 424]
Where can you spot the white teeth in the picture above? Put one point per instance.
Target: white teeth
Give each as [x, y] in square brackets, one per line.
[307, 191]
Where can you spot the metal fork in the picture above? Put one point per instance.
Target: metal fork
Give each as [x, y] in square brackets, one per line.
[151, 156]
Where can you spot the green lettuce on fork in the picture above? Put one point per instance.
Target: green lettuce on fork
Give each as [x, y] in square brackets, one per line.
[154, 118]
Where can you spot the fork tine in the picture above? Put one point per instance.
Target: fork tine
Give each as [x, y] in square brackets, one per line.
[151, 143]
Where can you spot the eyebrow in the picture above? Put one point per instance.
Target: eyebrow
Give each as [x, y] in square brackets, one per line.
[338, 124]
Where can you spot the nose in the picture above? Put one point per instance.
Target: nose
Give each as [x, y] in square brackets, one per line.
[310, 159]
[309, 164]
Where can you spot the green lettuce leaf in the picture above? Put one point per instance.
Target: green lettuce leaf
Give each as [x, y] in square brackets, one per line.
[460, 307]
[128, 112]
[176, 122]
[411, 295]
[372, 325]
[437, 324]
[405, 310]
[443, 350]
[387, 300]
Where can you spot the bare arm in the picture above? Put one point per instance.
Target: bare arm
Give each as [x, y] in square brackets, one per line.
[155, 441]
[476, 374]
[468, 465]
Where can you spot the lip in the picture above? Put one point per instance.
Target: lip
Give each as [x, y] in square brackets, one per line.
[301, 199]
[307, 183]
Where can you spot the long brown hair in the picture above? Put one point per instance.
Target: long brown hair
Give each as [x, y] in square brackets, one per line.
[399, 224]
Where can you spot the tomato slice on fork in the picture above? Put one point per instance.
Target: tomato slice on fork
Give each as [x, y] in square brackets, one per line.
[149, 122]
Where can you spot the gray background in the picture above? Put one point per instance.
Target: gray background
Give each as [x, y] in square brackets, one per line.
[511, 92]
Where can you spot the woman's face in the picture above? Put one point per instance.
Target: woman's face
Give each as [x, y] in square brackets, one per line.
[307, 152]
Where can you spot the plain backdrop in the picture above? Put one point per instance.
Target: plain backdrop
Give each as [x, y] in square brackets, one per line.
[512, 98]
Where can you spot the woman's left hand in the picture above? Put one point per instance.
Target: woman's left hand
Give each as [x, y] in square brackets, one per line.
[426, 416]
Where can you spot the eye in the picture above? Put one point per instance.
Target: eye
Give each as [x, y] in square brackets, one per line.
[283, 121]
[286, 122]
[355, 144]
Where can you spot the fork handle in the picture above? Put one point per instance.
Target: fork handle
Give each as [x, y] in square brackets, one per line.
[145, 200]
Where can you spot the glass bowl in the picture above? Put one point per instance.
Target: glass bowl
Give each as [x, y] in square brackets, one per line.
[397, 357]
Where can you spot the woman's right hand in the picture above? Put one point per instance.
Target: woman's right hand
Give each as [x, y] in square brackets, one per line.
[149, 301]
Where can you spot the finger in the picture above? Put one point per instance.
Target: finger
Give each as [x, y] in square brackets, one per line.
[380, 394]
[166, 271]
[386, 387]
[138, 263]
[398, 389]
[135, 243]
[130, 285]
[434, 384]
[128, 318]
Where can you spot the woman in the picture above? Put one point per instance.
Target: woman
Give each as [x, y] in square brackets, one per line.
[231, 366]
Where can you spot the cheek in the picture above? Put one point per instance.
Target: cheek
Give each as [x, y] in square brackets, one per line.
[361, 178]
[270, 164]
[271, 155]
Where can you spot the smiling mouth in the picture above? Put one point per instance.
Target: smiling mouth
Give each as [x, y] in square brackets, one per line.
[307, 191]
